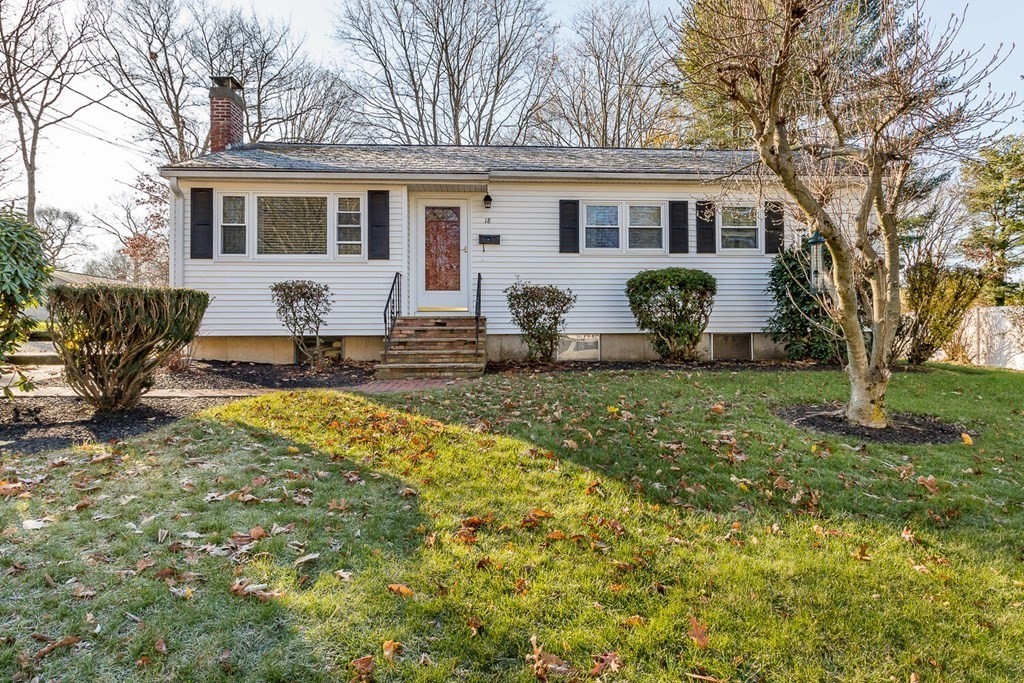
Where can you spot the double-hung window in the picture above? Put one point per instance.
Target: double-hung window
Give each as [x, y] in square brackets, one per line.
[232, 225]
[349, 216]
[601, 226]
[646, 226]
[291, 225]
[739, 227]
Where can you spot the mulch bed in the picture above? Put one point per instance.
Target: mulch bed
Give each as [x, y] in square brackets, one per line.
[237, 375]
[904, 428]
[31, 425]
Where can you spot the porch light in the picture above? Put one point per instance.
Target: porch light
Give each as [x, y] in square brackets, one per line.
[817, 244]
[487, 200]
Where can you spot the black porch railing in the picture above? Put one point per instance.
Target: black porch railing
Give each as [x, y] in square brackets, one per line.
[392, 311]
[479, 287]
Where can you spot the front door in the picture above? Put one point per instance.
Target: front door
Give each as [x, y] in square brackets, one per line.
[444, 256]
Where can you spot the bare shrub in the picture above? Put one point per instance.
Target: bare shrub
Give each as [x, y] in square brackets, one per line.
[303, 307]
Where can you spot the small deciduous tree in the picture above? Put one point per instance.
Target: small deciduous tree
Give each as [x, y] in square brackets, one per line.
[303, 307]
[673, 306]
[138, 220]
[63, 234]
[844, 100]
[936, 298]
[24, 273]
[539, 311]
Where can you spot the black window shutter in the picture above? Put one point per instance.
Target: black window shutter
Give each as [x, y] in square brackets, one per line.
[706, 228]
[569, 226]
[679, 227]
[774, 227]
[378, 220]
[201, 232]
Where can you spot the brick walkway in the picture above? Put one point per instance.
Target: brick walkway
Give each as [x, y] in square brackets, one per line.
[371, 387]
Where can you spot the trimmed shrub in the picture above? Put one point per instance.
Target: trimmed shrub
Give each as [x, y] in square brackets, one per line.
[800, 322]
[539, 311]
[673, 306]
[303, 307]
[936, 299]
[24, 273]
[112, 338]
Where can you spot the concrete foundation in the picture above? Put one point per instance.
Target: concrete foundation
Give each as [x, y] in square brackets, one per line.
[500, 347]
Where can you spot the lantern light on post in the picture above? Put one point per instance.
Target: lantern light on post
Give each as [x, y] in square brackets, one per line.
[817, 244]
[487, 200]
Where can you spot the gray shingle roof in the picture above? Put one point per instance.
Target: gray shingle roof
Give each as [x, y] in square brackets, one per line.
[427, 159]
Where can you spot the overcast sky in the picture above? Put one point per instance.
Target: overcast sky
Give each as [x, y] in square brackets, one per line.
[80, 168]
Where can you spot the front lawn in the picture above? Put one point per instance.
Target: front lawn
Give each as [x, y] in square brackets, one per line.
[641, 526]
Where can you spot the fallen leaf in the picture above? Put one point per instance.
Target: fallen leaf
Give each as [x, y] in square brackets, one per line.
[363, 667]
[634, 621]
[391, 649]
[343, 575]
[929, 483]
[144, 564]
[66, 641]
[293, 449]
[608, 662]
[475, 626]
[861, 554]
[718, 409]
[33, 524]
[257, 532]
[698, 633]
[545, 663]
[400, 589]
[305, 558]
[160, 646]
[968, 441]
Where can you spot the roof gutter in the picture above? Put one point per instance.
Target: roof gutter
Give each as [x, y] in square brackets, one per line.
[250, 174]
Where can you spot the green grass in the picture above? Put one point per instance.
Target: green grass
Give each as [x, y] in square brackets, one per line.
[660, 508]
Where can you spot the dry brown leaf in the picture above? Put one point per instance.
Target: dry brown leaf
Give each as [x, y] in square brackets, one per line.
[634, 621]
[257, 532]
[363, 667]
[400, 589]
[607, 662]
[861, 553]
[66, 641]
[545, 663]
[160, 646]
[392, 648]
[475, 626]
[144, 564]
[305, 558]
[698, 633]
[929, 483]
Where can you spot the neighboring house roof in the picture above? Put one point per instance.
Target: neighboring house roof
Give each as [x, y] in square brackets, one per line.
[467, 160]
[66, 277]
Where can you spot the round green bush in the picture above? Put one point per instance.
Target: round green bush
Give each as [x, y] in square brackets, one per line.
[24, 273]
[673, 306]
[112, 338]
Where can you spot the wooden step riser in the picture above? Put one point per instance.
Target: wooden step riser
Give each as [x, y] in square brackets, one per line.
[418, 343]
[439, 333]
[434, 357]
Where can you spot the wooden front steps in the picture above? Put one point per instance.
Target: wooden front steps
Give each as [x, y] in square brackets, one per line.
[439, 347]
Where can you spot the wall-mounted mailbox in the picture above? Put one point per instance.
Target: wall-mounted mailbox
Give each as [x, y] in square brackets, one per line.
[490, 239]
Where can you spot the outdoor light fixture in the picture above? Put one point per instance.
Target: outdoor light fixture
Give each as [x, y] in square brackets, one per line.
[817, 243]
[487, 200]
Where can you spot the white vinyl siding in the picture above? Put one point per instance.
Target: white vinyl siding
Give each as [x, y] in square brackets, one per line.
[240, 302]
[525, 215]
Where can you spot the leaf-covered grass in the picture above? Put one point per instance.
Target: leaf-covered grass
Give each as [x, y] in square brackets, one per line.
[665, 517]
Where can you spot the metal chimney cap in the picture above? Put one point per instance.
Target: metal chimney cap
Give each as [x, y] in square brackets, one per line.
[226, 82]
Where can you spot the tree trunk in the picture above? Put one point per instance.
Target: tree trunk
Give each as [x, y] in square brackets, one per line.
[867, 397]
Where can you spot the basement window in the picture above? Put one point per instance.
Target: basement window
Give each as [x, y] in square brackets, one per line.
[291, 225]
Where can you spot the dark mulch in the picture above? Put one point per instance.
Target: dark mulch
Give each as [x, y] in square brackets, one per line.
[31, 425]
[904, 428]
[237, 375]
[519, 366]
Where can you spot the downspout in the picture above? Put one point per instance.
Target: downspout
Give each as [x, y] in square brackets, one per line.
[176, 266]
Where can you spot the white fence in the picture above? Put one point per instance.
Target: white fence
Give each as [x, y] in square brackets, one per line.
[993, 339]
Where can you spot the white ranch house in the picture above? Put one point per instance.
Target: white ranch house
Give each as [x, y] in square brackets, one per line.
[429, 229]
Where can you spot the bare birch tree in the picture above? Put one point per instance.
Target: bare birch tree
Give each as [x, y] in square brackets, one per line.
[844, 101]
[43, 45]
[449, 71]
[159, 56]
[607, 83]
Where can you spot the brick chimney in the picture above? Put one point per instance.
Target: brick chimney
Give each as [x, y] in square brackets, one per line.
[227, 114]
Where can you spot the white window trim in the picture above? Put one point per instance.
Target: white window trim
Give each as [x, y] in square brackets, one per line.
[623, 226]
[363, 226]
[758, 228]
[218, 218]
